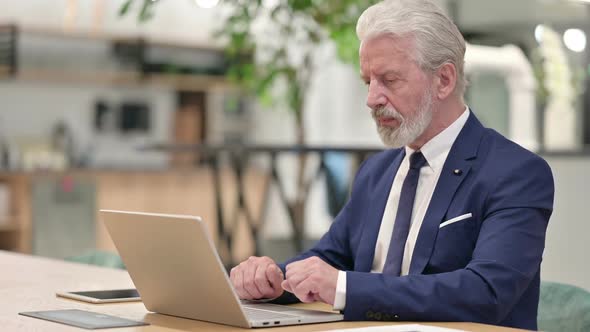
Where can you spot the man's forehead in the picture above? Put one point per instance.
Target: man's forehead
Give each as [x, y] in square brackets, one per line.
[389, 71]
[383, 47]
[385, 61]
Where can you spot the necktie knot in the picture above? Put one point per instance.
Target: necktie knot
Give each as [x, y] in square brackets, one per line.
[417, 160]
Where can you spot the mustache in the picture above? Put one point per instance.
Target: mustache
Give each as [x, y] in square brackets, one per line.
[386, 112]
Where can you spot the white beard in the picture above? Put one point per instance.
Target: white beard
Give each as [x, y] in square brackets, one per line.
[409, 129]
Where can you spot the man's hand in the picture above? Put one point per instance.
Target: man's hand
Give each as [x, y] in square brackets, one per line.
[257, 278]
[312, 280]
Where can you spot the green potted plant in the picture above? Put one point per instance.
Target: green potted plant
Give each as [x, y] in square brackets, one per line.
[299, 27]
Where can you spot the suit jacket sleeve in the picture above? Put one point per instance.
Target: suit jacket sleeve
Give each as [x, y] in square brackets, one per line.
[505, 260]
[333, 247]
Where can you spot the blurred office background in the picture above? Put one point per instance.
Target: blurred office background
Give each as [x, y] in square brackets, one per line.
[103, 110]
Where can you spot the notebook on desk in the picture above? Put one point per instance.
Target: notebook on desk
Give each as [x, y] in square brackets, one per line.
[176, 269]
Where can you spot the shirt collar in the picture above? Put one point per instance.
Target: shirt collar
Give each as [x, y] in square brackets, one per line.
[436, 150]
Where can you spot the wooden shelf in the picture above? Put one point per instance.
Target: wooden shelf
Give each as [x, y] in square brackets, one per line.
[9, 227]
[122, 78]
[192, 78]
[106, 36]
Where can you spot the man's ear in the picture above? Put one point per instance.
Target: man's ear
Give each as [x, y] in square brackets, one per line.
[446, 80]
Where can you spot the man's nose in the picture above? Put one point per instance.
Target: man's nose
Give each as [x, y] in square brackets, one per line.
[375, 97]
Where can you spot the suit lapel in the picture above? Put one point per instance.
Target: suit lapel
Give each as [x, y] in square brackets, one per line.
[377, 203]
[461, 157]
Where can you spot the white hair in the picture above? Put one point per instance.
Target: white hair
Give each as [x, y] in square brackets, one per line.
[437, 39]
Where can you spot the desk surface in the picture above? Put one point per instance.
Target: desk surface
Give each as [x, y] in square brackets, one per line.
[29, 284]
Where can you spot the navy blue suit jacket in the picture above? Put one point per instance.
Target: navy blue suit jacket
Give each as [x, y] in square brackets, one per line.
[481, 269]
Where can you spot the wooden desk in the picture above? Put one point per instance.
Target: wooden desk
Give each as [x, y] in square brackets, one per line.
[29, 283]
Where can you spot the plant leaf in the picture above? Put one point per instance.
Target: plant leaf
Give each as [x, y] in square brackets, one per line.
[125, 7]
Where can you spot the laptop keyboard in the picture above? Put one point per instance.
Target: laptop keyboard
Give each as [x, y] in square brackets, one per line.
[260, 314]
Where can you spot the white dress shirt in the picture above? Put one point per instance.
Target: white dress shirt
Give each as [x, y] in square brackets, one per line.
[435, 151]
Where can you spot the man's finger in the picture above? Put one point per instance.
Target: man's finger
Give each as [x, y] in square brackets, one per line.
[262, 281]
[249, 281]
[232, 275]
[305, 265]
[296, 278]
[286, 286]
[239, 285]
[275, 278]
[232, 278]
[295, 268]
[306, 291]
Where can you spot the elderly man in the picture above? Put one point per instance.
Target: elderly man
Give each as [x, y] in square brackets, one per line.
[449, 224]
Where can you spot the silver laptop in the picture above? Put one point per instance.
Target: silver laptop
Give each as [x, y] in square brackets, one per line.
[176, 269]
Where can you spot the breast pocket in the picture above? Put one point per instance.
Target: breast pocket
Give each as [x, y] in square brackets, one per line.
[454, 243]
[451, 221]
